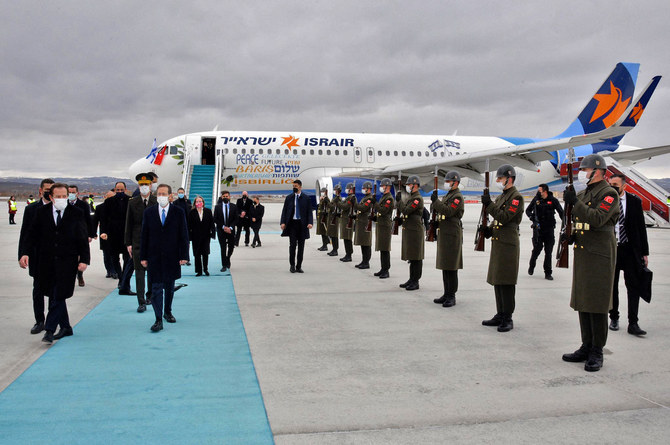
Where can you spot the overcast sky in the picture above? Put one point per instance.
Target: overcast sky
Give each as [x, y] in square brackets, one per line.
[86, 86]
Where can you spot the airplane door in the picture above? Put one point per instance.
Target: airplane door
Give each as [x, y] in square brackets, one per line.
[371, 155]
[193, 149]
[357, 155]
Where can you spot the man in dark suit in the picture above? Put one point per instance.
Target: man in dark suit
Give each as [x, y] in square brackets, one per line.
[243, 206]
[112, 228]
[163, 250]
[225, 218]
[98, 215]
[256, 214]
[59, 242]
[296, 222]
[632, 255]
[73, 199]
[133, 233]
[25, 251]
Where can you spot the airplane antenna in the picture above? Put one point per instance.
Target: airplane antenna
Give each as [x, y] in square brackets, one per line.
[216, 128]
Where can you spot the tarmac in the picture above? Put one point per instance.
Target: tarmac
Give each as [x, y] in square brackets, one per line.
[342, 357]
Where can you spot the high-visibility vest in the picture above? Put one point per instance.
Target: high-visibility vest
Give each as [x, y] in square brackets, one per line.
[91, 203]
[12, 206]
[30, 201]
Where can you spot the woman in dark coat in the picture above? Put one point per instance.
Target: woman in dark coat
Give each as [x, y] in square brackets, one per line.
[200, 232]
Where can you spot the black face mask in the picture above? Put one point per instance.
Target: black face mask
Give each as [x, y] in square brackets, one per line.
[226, 200]
[46, 194]
[295, 190]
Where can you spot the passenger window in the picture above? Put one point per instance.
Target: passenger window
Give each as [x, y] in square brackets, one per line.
[320, 152]
[303, 151]
[173, 150]
[388, 153]
[337, 152]
[411, 153]
[244, 151]
[225, 151]
[311, 151]
[404, 153]
[234, 151]
[328, 152]
[395, 153]
[344, 152]
[418, 153]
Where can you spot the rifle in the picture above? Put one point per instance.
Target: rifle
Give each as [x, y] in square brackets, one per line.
[396, 220]
[352, 210]
[562, 255]
[336, 213]
[324, 212]
[432, 229]
[371, 216]
[483, 217]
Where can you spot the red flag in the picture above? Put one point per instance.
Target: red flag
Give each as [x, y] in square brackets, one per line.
[159, 156]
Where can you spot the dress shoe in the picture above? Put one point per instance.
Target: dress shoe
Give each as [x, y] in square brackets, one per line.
[246, 245]
[580, 355]
[37, 328]
[299, 270]
[258, 245]
[495, 321]
[450, 301]
[158, 326]
[148, 301]
[530, 270]
[346, 259]
[141, 308]
[206, 273]
[170, 318]
[384, 274]
[109, 275]
[379, 273]
[414, 285]
[333, 253]
[198, 274]
[404, 285]
[364, 266]
[548, 276]
[322, 248]
[440, 300]
[253, 246]
[614, 325]
[115, 276]
[63, 332]
[595, 360]
[223, 269]
[634, 329]
[358, 265]
[81, 281]
[506, 324]
[48, 337]
[127, 292]
[292, 269]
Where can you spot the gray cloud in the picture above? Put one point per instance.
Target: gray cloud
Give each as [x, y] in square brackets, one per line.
[87, 86]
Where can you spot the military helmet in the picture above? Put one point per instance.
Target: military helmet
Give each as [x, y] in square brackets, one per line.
[593, 161]
[452, 176]
[324, 189]
[413, 180]
[367, 185]
[337, 187]
[506, 171]
[385, 182]
[349, 186]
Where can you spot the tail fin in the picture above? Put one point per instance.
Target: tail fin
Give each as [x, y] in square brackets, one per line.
[608, 103]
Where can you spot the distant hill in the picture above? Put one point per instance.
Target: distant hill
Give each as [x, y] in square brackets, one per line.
[22, 187]
[665, 183]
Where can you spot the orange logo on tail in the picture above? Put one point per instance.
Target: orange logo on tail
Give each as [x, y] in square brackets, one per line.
[611, 103]
[637, 112]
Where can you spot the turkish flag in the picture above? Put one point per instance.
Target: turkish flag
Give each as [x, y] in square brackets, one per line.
[160, 155]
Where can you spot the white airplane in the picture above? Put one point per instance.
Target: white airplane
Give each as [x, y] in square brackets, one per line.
[267, 162]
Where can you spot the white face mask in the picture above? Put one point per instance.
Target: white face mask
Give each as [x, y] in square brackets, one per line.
[500, 185]
[154, 186]
[72, 196]
[448, 185]
[144, 190]
[583, 177]
[347, 191]
[408, 188]
[163, 200]
[60, 203]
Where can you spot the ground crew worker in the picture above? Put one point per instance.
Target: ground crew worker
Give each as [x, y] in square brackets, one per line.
[334, 220]
[413, 232]
[322, 215]
[362, 237]
[384, 227]
[507, 213]
[347, 235]
[30, 199]
[449, 237]
[541, 212]
[595, 213]
[11, 202]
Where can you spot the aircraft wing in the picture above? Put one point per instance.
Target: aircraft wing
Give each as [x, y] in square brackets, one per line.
[634, 156]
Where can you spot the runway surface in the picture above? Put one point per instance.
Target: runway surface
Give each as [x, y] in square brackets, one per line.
[341, 356]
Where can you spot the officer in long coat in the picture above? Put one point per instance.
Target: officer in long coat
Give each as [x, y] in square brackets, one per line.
[384, 227]
[362, 237]
[346, 234]
[595, 213]
[413, 232]
[334, 220]
[449, 237]
[507, 213]
[321, 216]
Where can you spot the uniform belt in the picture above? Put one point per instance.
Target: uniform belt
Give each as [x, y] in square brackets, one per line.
[587, 227]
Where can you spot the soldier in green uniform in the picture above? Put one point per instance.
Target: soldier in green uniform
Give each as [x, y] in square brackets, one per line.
[507, 213]
[334, 220]
[347, 235]
[321, 216]
[362, 237]
[595, 212]
[384, 230]
[449, 237]
[413, 232]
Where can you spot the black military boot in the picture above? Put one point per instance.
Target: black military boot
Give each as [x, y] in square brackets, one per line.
[323, 248]
[506, 324]
[440, 300]
[412, 285]
[384, 274]
[595, 360]
[580, 355]
[450, 301]
[379, 273]
[404, 285]
[346, 258]
[332, 253]
[495, 321]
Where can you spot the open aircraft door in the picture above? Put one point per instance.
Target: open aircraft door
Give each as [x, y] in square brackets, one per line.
[192, 147]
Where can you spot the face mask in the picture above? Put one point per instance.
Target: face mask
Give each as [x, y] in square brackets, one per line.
[46, 194]
[500, 185]
[226, 200]
[144, 190]
[199, 204]
[180, 195]
[154, 186]
[60, 203]
[295, 190]
[163, 200]
[583, 177]
[448, 185]
[72, 196]
[120, 194]
[346, 191]
[408, 188]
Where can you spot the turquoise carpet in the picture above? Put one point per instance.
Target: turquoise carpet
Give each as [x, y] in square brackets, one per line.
[116, 382]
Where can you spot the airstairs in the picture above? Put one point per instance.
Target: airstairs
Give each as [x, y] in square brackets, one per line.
[202, 183]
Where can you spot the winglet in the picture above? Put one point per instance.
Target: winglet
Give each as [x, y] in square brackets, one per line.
[641, 104]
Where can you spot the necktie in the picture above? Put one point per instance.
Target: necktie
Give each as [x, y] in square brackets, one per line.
[58, 218]
[225, 219]
[623, 238]
[297, 208]
[145, 202]
[163, 218]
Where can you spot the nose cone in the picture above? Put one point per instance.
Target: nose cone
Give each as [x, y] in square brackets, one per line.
[140, 166]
